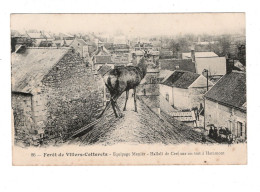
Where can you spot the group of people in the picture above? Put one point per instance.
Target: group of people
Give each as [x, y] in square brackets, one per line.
[220, 135]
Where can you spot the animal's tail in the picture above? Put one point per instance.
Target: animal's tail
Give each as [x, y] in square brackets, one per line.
[109, 84]
[112, 89]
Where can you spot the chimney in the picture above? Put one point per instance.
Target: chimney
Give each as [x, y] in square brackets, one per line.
[192, 53]
[229, 64]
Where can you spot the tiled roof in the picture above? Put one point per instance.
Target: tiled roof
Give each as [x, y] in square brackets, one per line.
[177, 64]
[181, 79]
[101, 51]
[35, 35]
[102, 59]
[30, 67]
[199, 55]
[164, 74]
[230, 90]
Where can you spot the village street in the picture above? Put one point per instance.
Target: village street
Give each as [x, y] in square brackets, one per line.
[142, 127]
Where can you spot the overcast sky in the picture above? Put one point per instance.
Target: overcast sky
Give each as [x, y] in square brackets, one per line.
[133, 24]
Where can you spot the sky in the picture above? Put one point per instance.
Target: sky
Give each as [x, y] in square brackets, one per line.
[133, 24]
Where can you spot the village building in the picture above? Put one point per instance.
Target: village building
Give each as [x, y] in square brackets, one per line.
[153, 55]
[184, 90]
[225, 105]
[189, 55]
[81, 47]
[216, 66]
[145, 46]
[207, 61]
[239, 66]
[166, 54]
[178, 64]
[38, 37]
[66, 36]
[101, 57]
[53, 93]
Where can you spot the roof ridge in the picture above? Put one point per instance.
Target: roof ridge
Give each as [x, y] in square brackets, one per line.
[48, 48]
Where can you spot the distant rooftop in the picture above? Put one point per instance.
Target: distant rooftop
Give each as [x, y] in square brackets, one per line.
[230, 90]
[199, 55]
[180, 79]
[177, 64]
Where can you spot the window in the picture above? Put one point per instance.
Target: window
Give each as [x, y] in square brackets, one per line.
[167, 97]
[153, 80]
[239, 129]
[144, 92]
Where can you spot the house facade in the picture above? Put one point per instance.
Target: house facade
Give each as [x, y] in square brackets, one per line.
[50, 95]
[184, 90]
[225, 105]
[81, 47]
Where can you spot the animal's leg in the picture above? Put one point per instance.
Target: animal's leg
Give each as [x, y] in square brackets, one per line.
[127, 93]
[118, 109]
[107, 106]
[113, 106]
[135, 99]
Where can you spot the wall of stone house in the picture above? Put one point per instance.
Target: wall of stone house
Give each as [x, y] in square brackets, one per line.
[164, 90]
[181, 98]
[196, 96]
[71, 97]
[80, 48]
[148, 89]
[223, 116]
[22, 113]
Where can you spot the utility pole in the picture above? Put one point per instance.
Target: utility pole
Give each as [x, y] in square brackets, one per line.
[207, 79]
[205, 71]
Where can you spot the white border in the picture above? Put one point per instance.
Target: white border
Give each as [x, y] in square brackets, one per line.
[148, 178]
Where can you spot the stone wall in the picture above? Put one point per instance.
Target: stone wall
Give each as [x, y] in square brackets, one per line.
[22, 114]
[223, 116]
[70, 97]
[196, 97]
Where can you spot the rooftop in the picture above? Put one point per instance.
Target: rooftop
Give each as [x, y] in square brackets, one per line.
[82, 42]
[230, 90]
[199, 55]
[102, 59]
[180, 79]
[177, 64]
[30, 67]
[136, 128]
[35, 35]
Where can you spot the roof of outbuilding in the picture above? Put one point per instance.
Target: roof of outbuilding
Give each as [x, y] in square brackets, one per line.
[181, 79]
[230, 90]
[199, 55]
[35, 35]
[178, 64]
[102, 59]
[164, 74]
[29, 68]
[82, 41]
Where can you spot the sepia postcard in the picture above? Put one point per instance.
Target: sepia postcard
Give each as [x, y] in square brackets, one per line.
[129, 89]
